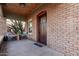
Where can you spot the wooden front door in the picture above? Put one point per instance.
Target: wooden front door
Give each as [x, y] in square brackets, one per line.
[42, 29]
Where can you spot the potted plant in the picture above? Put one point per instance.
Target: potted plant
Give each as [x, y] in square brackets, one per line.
[17, 27]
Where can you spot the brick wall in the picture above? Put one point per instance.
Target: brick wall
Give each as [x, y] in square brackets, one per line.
[62, 27]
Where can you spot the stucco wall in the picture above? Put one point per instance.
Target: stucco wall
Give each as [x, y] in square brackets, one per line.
[62, 27]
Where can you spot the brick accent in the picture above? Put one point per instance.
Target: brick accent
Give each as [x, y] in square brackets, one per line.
[62, 27]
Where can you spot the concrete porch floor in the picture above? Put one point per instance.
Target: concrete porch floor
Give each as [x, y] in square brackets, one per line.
[26, 48]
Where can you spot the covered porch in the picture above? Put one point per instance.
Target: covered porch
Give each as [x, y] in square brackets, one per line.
[56, 26]
[26, 48]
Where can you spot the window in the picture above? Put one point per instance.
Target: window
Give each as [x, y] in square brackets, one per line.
[30, 26]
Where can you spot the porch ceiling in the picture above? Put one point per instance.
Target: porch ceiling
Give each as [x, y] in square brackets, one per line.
[16, 8]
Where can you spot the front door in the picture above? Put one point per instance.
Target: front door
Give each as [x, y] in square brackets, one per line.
[43, 29]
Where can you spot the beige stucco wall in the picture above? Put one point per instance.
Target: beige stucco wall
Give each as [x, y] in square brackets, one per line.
[62, 27]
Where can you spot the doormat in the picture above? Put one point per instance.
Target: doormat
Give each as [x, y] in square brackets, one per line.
[37, 44]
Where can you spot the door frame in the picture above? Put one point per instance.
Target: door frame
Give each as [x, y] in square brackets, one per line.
[38, 24]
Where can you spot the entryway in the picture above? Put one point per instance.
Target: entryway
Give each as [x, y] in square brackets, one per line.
[42, 27]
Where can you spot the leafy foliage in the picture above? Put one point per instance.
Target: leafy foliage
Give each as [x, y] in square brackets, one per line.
[17, 26]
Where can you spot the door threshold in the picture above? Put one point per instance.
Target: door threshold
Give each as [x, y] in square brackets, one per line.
[38, 44]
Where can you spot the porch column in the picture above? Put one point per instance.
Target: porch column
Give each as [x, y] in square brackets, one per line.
[26, 26]
[1, 13]
[3, 26]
